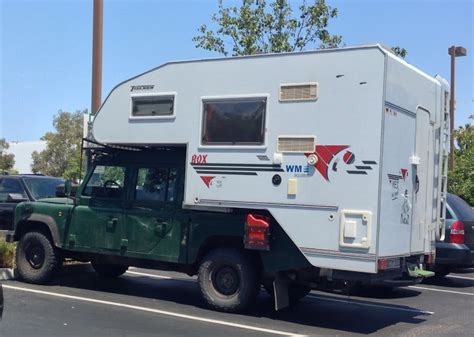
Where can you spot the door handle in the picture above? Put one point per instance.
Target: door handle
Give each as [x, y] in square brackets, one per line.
[111, 224]
[160, 226]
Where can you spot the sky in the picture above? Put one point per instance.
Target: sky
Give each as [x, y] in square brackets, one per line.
[46, 47]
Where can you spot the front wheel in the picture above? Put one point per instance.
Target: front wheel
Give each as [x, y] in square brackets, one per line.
[109, 270]
[36, 258]
[228, 280]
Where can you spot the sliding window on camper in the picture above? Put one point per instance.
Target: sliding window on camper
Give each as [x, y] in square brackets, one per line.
[152, 106]
[234, 121]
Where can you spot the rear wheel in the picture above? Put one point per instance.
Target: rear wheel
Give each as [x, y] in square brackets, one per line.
[36, 258]
[109, 270]
[228, 280]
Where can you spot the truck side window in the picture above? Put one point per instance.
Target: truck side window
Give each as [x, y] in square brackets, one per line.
[10, 185]
[155, 184]
[106, 182]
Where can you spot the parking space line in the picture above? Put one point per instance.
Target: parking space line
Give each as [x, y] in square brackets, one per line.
[425, 312]
[442, 290]
[149, 275]
[461, 277]
[156, 311]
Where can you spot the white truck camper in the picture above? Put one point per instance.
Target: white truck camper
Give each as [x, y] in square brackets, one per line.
[345, 148]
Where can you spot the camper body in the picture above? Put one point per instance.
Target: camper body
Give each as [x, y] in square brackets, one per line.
[325, 164]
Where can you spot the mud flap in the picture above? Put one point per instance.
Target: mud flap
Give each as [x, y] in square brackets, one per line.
[280, 291]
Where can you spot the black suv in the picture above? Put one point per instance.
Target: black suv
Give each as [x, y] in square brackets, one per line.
[23, 187]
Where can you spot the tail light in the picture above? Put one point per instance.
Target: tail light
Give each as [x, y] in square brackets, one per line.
[392, 263]
[457, 232]
[257, 230]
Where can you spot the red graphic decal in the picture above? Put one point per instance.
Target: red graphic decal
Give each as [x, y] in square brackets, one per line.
[348, 157]
[325, 154]
[404, 173]
[207, 180]
[199, 159]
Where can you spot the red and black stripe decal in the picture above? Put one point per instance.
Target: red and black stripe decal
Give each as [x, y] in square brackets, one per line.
[235, 169]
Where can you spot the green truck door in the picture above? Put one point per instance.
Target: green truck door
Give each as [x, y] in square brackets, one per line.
[151, 229]
[98, 219]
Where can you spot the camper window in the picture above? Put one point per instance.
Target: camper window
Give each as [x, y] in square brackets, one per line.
[234, 121]
[151, 106]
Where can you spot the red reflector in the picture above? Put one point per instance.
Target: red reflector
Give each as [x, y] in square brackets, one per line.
[456, 235]
[257, 220]
[256, 232]
[382, 264]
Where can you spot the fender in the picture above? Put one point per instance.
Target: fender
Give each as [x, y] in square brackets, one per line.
[48, 221]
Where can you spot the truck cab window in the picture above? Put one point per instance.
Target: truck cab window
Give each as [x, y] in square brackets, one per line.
[106, 182]
[155, 184]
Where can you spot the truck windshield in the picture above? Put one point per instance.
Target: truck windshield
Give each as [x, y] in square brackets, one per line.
[43, 187]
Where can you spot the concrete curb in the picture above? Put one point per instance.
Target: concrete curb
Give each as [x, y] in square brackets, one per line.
[8, 274]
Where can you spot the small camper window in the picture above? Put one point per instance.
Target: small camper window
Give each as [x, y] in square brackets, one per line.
[151, 106]
[234, 121]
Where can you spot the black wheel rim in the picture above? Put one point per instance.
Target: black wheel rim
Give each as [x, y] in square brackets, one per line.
[34, 254]
[226, 280]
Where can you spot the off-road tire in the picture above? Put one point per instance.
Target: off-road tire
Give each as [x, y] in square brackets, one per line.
[109, 270]
[228, 270]
[37, 259]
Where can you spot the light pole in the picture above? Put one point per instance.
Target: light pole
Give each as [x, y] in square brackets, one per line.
[97, 57]
[454, 52]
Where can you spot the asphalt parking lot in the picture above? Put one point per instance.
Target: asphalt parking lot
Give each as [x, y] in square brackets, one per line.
[155, 303]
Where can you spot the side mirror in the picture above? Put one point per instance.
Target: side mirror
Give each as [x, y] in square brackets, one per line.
[16, 198]
[66, 190]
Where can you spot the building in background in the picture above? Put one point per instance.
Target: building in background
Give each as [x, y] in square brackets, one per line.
[23, 151]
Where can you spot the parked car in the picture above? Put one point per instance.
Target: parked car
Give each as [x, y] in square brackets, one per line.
[457, 248]
[23, 187]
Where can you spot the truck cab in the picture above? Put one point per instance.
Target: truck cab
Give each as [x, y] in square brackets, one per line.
[129, 212]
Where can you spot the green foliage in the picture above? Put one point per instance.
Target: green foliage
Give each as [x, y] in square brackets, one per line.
[7, 254]
[7, 160]
[258, 26]
[400, 52]
[61, 158]
[114, 173]
[461, 178]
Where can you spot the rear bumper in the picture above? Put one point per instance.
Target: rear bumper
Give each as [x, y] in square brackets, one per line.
[453, 254]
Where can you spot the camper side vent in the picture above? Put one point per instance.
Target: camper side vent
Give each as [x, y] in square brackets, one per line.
[296, 144]
[299, 92]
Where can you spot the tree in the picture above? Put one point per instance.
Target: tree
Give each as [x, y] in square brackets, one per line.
[461, 178]
[258, 27]
[61, 158]
[7, 160]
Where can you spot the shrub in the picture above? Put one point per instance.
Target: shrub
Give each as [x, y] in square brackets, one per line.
[7, 254]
